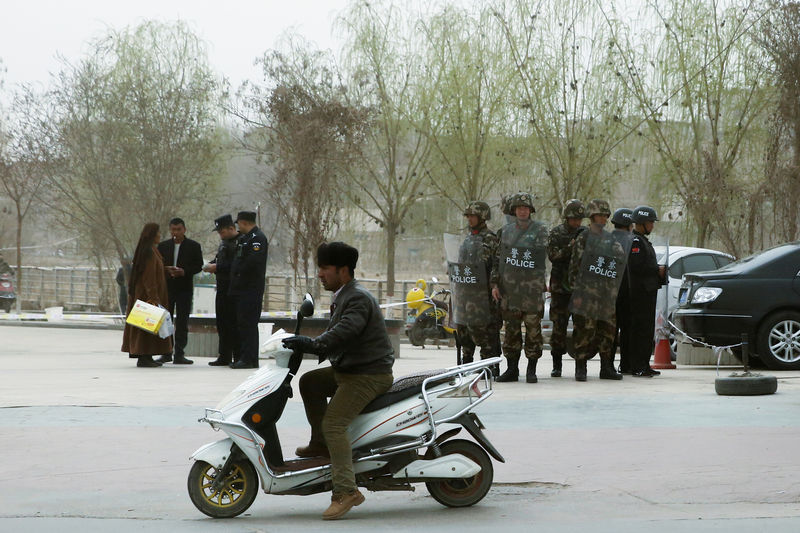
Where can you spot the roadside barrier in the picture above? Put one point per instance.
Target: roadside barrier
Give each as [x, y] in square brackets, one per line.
[718, 350]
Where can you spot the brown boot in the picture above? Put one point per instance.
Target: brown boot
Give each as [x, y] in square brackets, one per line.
[341, 503]
[312, 450]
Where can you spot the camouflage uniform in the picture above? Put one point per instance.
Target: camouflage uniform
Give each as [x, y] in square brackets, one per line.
[484, 336]
[591, 334]
[560, 242]
[521, 289]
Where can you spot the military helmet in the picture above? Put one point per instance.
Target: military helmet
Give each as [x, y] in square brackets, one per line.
[644, 213]
[521, 199]
[598, 207]
[574, 209]
[505, 204]
[480, 209]
[622, 217]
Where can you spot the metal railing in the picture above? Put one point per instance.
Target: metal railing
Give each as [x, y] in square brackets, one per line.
[90, 289]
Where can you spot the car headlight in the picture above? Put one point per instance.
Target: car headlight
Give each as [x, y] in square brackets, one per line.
[704, 295]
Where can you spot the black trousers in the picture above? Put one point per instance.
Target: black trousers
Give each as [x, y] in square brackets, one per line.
[247, 315]
[623, 338]
[226, 324]
[180, 306]
[643, 325]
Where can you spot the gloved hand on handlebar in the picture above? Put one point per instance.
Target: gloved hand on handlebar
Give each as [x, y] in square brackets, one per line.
[304, 344]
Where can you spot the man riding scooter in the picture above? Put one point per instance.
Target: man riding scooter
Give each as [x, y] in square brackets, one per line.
[361, 355]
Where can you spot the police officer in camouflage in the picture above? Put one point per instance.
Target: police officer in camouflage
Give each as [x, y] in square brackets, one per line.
[518, 284]
[477, 321]
[559, 250]
[593, 306]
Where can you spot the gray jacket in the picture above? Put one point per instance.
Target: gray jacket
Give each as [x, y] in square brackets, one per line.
[356, 341]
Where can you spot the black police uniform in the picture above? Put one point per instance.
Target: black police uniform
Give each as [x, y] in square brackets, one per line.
[248, 272]
[645, 281]
[223, 304]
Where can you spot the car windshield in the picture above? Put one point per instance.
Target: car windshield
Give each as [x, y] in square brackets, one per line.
[761, 258]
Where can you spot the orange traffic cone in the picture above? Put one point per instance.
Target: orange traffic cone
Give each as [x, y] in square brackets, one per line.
[662, 358]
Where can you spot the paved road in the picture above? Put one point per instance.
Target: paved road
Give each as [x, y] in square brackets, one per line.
[92, 443]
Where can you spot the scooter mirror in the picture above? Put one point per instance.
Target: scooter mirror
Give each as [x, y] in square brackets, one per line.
[434, 279]
[307, 307]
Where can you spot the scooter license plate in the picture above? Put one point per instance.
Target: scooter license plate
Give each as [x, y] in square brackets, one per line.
[410, 319]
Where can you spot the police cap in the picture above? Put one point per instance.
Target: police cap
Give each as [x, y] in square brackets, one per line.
[225, 221]
[249, 216]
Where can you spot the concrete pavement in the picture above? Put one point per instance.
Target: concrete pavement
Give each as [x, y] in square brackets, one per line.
[93, 444]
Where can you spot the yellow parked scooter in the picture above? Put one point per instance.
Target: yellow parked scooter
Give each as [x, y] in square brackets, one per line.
[428, 316]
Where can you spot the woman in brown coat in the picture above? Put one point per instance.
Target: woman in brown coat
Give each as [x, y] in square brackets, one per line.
[149, 284]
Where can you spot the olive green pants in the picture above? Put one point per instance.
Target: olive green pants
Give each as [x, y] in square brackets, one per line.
[349, 394]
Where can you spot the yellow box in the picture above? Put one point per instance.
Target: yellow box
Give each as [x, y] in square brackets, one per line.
[147, 317]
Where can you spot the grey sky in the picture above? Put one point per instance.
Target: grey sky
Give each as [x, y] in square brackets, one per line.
[32, 32]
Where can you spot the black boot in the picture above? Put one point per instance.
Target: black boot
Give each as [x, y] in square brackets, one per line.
[512, 372]
[146, 361]
[556, 373]
[580, 369]
[607, 370]
[530, 372]
[220, 361]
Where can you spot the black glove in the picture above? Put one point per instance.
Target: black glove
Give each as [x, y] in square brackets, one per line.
[299, 343]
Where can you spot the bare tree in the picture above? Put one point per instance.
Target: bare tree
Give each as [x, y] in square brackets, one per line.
[699, 80]
[135, 133]
[22, 165]
[570, 100]
[301, 124]
[393, 164]
[779, 37]
[468, 77]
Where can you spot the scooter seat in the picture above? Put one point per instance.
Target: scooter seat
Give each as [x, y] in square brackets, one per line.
[402, 388]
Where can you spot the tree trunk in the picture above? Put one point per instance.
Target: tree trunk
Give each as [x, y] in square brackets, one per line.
[391, 245]
[19, 260]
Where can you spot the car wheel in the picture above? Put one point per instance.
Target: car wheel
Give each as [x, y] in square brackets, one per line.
[778, 342]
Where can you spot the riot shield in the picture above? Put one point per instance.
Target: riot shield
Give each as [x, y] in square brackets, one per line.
[521, 267]
[602, 265]
[469, 283]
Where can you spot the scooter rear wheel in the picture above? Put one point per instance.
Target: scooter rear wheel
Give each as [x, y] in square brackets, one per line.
[235, 496]
[463, 492]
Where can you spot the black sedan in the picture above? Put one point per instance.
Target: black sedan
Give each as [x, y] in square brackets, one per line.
[758, 295]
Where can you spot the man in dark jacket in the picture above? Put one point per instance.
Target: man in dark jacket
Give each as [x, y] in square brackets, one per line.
[183, 258]
[361, 356]
[248, 272]
[220, 266]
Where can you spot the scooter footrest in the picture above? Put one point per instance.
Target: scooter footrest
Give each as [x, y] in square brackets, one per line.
[293, 465]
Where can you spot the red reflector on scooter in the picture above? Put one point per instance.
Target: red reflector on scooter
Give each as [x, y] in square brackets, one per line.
[476, 389]
[256, 418]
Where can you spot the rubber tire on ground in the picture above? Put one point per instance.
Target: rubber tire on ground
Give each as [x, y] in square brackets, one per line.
[746, 385]
[200, 474]
[762, 343]
[463, 492]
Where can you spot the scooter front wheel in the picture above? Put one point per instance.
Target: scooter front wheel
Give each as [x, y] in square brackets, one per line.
[463, 492]
[232, 498]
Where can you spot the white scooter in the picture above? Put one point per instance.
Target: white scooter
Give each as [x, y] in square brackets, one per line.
[388, 439]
